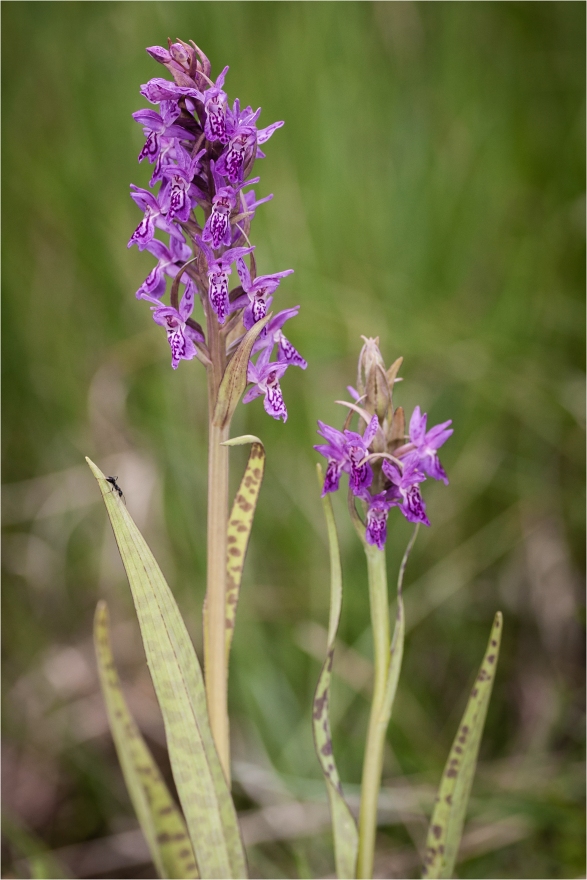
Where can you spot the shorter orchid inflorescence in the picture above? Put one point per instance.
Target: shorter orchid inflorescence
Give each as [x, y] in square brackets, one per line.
[203, 152]
[385, 467]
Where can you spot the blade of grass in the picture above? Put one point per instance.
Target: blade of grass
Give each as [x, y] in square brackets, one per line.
[207, 805]
[446, 825]
[344, 828]
[159, 818]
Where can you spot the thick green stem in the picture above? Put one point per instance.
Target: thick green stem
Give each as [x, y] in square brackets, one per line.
[215, 607]
[373, 760]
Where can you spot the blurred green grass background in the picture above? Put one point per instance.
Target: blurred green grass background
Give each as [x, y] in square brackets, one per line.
[429, 189]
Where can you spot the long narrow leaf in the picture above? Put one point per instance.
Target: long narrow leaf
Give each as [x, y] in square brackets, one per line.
[239, 526]
[159, 817]
[344, 828]
[446, 825]
[207, 805]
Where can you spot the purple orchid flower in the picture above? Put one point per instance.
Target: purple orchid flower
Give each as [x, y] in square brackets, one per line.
[377, 513]
[178, 199]
[238, 153]
[155, 217]
[159, 89]
[405, 491]
[423, 447]
[153, 287]
[215, 105]
[217, 229]
[265, 377]
[361, 474]
[335, 451]
[219, 268]
[345, 451]
[180, 335]
[157, 126]
[243, 145]
[258, 292]
[272, 335]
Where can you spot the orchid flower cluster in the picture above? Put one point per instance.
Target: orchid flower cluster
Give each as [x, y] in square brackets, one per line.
[385, 467]
[203, 152]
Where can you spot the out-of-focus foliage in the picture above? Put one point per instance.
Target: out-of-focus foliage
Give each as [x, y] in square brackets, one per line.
[428, 189]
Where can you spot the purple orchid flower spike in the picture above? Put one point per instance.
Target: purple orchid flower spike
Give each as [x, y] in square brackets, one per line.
[266, 376]
[155, 217]
[180, 335]
[168, 257]
[179, 196]
[258, 292]
[219, 268]
[273, 335]
[423, 447]
[157, 126]
[361, 474]
[335, 451]
[215, 105]
[405, 491]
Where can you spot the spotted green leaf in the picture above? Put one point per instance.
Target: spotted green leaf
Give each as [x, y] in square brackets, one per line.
[234, 379]
[159, 817]
[239, 526]
[344, 828]
[203, 792]
[446, 825]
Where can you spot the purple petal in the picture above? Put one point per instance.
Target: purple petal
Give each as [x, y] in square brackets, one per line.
[417, 426]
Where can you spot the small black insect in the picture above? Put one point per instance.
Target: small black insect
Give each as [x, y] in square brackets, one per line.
[116, 487]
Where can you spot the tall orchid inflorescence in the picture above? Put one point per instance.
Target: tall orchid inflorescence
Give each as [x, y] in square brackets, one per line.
[203, 152]
[385, 466]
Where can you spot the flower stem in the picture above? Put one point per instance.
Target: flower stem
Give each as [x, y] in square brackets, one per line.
[373, 761]
[215, 605]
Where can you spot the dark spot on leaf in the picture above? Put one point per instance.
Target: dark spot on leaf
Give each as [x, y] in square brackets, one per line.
[184, 853]
[448, 798]
[491, 658]
[436, 831]
[327, 748]
[164, 811]
[234, 551]
[451, 773]
[319, 704]
[458, 750]
[231, 539]
[493, 643]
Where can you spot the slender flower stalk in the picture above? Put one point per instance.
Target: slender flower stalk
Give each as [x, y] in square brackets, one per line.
[203, 151]
[375, 744]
